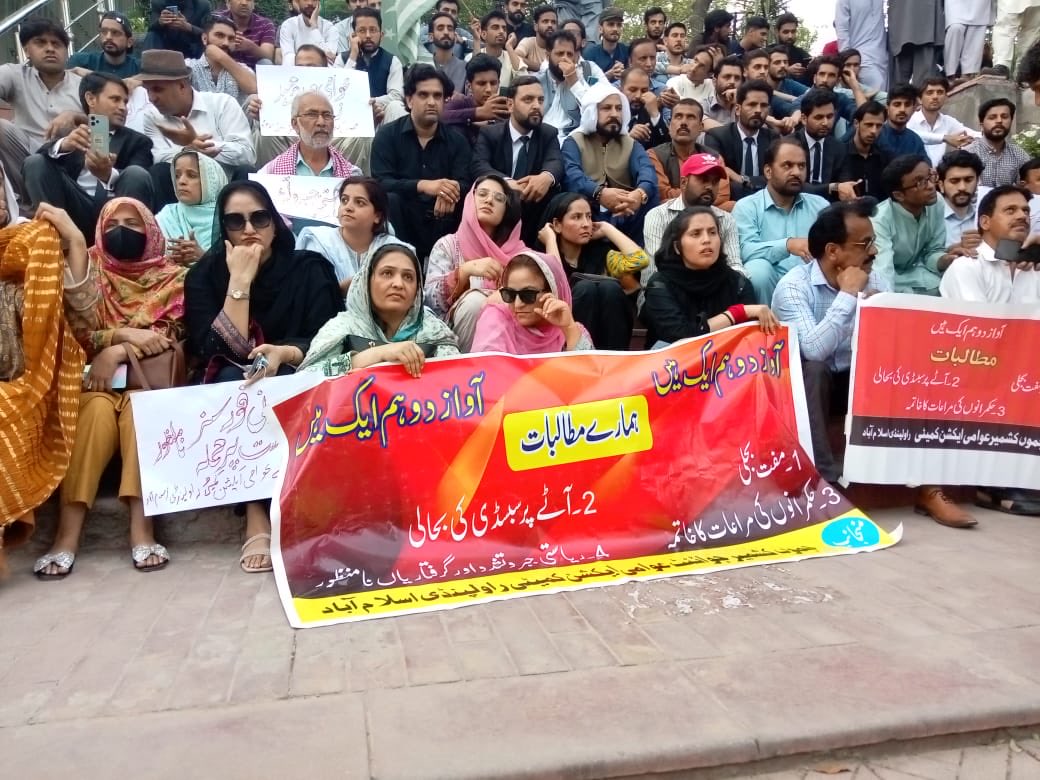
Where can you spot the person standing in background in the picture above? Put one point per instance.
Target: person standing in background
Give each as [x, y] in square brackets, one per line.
[860, 25]
[966, 23]
[1017, 22]
[916, 28]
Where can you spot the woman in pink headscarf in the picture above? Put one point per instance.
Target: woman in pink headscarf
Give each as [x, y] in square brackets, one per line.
[466, 267]
[531, 314]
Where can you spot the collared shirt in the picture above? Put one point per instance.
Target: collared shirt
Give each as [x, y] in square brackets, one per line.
[202, 79]
[594, 52]
[400, 162]
[1001, 167]
[260, 30]
[756, 168]
[934, 136]
[956, 225]
[303, 169]
[765, 227]
[703, 93]
[720, 113]
[811, 144]
[213, 113]
[659, 217]
[294, 33]
[515, 135]
[661, 66]
[986, 279]
[95, 60]
[908, 248]
[34, 105]
[822, 316]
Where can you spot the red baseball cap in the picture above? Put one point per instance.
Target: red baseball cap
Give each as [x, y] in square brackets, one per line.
[700, 164]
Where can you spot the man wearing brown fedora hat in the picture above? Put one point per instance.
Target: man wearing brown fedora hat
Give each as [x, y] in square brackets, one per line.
[181, 117]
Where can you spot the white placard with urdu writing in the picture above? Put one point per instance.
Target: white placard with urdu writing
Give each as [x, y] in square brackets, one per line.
[347, 91]
[208, 445]
[313, 197]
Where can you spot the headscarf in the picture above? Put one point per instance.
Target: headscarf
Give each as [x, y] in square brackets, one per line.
[420, 324]
[499, 331]
[40, 408]
[178, 220]
[590, 101]
[148, 293]
[474, 243]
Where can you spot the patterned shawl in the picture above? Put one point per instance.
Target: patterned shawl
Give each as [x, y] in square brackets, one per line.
[39, 409]
[148, 293]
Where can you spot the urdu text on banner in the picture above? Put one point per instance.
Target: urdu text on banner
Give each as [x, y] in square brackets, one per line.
[496, 476]
[944, 393]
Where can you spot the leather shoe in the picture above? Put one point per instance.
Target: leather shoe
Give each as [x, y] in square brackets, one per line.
[932, 501]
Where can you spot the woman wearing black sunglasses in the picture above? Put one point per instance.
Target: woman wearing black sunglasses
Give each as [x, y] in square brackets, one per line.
[254, 294]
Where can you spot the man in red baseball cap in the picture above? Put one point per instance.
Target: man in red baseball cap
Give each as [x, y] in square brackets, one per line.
[701, 175]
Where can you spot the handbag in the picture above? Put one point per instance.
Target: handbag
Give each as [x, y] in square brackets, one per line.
[156, 372]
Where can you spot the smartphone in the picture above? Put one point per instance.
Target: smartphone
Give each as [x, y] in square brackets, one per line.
[1008, 250]
[259, 365]
[118, 378]
[860, 189]
[99, 137]
[172, 9]
[503, 92]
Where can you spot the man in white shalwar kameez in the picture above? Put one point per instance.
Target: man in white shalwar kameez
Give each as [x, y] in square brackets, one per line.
[966, 23]
[1015, 19]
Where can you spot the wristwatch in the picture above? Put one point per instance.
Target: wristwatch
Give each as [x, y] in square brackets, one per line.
[238, 295]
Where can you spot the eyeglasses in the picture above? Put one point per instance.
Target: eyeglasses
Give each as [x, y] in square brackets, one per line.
[314, 116]
[923, 184]
[527, 295]
[866, 244]
[497, 197]
[235, 222]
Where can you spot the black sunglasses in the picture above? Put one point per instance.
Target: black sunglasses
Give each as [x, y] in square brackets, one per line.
[236, 222]
[526, 295]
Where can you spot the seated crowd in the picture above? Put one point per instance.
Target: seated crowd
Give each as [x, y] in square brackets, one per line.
[525, 192]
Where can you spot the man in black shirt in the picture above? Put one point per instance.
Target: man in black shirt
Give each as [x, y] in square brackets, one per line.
[798, 59]
[864, 161]
[422, 164]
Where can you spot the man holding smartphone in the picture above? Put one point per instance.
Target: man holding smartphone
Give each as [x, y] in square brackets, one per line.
[1002, 273]
[177, 25]
[97, 160]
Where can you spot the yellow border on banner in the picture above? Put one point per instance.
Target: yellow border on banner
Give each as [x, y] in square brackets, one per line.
[790, 546]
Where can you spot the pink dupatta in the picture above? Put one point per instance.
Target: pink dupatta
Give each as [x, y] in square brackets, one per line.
[474, 243]
[498, 330]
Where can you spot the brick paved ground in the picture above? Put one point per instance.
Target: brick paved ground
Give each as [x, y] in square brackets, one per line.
[193, 670]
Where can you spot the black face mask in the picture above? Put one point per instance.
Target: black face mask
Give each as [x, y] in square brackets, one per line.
[125, 244]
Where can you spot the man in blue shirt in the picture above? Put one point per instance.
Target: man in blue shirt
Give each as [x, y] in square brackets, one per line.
[610, 54]
[896, 138]
[116, 37]
[786, 91]
[819, 299]
[773, 223]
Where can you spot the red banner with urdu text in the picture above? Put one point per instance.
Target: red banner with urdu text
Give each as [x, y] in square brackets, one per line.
[944, 392]
[495, 476]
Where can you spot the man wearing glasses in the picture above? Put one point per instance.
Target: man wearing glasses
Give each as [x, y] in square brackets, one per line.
[312, 155]
[819, 298]
[910, 227]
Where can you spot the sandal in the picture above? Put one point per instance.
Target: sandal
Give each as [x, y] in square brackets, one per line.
[143, 552]
[65, 560]
[1009, 500]
[267, 552]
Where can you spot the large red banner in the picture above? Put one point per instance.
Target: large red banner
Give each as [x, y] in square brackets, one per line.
[944, 392]
[493, 476]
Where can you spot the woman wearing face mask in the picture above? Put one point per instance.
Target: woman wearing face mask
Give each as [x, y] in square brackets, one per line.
[187, 224]
[254, 294]
[47, 299]
[363, 228]
[694, 290]
[465, 267]
[141, 308]
[602, 265]
[532, 312]
[385, 321]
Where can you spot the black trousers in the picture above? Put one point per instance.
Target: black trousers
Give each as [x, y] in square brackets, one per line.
[600, 304]
[414, 221]
[826, 394]
[47, 182]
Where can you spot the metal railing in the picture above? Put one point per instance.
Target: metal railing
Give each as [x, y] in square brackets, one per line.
[68, 21]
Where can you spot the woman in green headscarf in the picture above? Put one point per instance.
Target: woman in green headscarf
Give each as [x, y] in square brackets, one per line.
[187, 225]
[385, 320]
